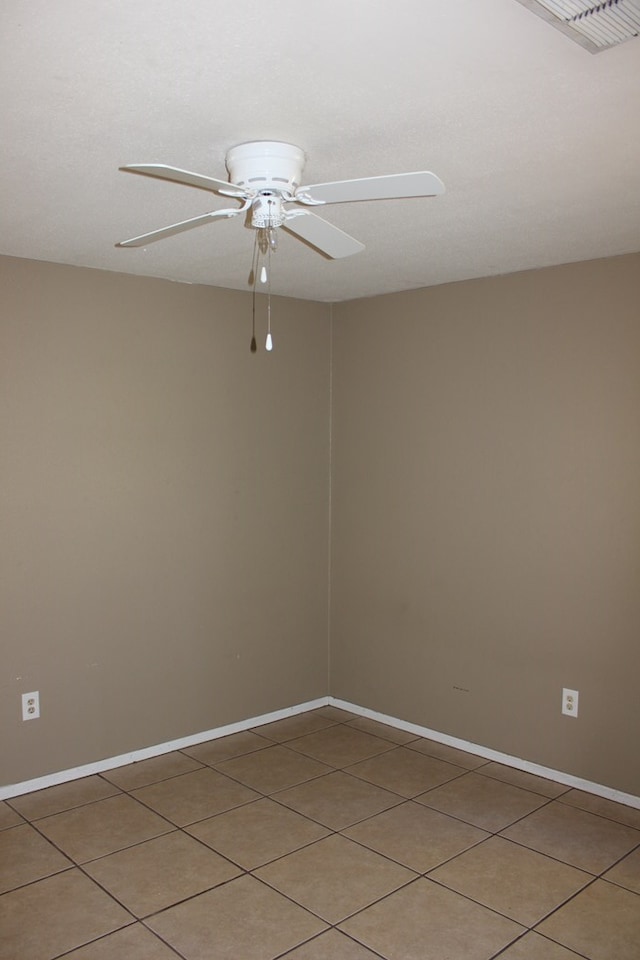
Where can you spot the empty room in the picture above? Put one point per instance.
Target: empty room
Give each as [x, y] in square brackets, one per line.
[320, 525]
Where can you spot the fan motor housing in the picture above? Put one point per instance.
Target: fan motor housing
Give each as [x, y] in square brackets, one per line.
[266, 165]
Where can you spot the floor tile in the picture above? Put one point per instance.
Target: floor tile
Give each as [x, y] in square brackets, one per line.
[55, 915]
[515, 881]
[334, 877]
[410, 847]
[160, 872]
[100, 828]
[442, 751]
[331, 945]
[338, 800]
[298, 725]
[601, 923]
[340, 745]
[486, 803]
[521, 778]
[64, 796]
[8, 817]
[194, 796]
[603, 807]
[275, 768]
[424, 921]
[235, 745]
[335, 713]
[582, 839]
[626, 873]
[241, 920]
[383, 730]
[415, 836]
[130, 943]
[534, 947]
[405, 771]
[257, 833]
[150, 771]
[26, 856]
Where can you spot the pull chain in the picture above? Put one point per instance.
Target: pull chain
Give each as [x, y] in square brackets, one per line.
[254, 269]
[265, 240]
[269, 340]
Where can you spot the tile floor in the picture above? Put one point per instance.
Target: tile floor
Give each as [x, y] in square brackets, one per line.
[320, 836]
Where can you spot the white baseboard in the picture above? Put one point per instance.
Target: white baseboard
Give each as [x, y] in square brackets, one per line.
[52, 779]
[556, 775]
[28, 786]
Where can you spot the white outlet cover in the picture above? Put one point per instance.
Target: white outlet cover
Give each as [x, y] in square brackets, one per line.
[31, 705]
[570, 702]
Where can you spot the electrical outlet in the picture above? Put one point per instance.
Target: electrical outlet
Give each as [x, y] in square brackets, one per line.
[31, 705]
[570, 702]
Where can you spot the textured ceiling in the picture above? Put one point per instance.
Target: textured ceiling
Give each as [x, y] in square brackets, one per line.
[536, 140]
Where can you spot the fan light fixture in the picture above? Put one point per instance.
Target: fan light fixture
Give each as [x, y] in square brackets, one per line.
[265, 176]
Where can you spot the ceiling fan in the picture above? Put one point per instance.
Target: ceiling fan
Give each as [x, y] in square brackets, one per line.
[265, 176]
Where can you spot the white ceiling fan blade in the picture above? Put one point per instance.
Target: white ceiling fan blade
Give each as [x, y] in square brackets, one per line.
[395, 185]
[146, 238]
[327, 238]
[164, 172]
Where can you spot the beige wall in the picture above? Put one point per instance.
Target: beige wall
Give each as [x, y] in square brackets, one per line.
[486, 512]
[164, 512]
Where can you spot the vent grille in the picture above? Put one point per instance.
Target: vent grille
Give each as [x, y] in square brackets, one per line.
[595, 26]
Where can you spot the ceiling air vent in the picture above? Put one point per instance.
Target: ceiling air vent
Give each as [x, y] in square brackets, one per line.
[595, 26]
